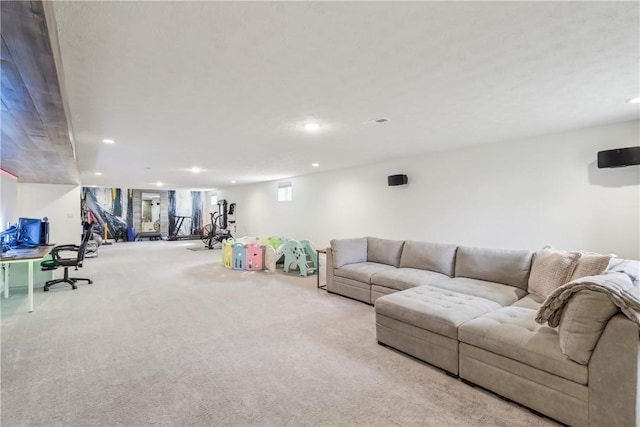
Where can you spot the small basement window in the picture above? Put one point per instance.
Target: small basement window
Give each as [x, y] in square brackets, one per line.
[285, 191]
[214, 199]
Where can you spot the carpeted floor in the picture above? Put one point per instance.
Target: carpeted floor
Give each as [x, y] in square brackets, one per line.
[167, 336]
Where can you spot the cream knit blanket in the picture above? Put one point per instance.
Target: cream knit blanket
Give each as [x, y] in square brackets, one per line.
[617, 285]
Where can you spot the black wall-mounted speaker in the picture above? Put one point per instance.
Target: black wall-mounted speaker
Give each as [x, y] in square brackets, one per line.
[619, 157]
[397, 180]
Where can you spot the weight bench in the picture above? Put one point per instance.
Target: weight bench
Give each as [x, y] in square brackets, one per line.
[151, 235]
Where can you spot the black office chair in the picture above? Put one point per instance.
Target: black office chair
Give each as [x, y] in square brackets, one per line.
[59, 261]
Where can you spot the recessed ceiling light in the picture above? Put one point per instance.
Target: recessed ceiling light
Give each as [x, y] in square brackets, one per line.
[98, 173]
[233, 181]
[159, 184]
[315, 165]
[195, 169]
[634, 100]
[311, 127]
[108, 141]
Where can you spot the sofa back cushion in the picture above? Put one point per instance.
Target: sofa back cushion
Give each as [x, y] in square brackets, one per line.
[509, 267]
[437, 257]
[384, 251]
[348, 251]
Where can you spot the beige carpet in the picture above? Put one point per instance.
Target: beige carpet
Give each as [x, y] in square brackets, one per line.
[167, 336]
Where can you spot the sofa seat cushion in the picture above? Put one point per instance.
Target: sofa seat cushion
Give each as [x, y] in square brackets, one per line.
[434, 309]
[361, 272]
[405, 278]
[530, 301]
[497, 292]
[512, 332]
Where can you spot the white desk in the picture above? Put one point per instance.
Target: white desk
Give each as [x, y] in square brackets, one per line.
[22, 255]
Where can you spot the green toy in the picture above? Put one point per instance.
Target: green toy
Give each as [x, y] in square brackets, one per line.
[298, 254]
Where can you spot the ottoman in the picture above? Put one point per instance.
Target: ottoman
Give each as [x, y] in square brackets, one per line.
[423, 322]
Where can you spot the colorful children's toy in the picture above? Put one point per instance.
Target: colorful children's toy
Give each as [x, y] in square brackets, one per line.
[254, 254]
[294, 253]
[269, 258]
[274, 242]
[239, 255]
[253, 257]
[312, 255]
[227, 252]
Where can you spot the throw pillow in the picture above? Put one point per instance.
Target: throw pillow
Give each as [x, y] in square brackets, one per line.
[591, 264]
[584, 318]
[551, 269]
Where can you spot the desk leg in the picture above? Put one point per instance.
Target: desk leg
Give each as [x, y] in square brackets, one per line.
[30, 286]
[6, 280]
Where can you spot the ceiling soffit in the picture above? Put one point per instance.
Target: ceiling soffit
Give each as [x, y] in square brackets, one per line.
[35, 137]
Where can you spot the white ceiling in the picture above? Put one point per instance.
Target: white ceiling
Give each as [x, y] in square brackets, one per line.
[227, 86]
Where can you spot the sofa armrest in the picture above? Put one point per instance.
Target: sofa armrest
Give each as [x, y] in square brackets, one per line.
[613, 375]
[329, 265]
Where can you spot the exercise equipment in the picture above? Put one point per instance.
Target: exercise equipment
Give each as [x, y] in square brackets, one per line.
[218, 229]
[178, 221]
[94, 243]
[151, 235]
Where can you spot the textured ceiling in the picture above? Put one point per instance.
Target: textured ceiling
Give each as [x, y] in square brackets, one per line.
[226, 86]
[34, 139]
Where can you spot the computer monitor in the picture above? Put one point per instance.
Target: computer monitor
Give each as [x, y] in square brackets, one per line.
[28, 232]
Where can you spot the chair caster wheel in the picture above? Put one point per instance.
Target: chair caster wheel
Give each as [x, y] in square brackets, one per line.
[74, 287]
[45, 289]
[90, 281]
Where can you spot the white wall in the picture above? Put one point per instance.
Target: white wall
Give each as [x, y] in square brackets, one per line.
[519, 194]
[8, 200]
[59, 203]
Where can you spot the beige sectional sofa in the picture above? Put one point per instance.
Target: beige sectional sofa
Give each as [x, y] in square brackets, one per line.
[468, 311]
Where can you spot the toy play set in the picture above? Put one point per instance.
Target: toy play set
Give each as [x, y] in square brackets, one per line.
[265, 253]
